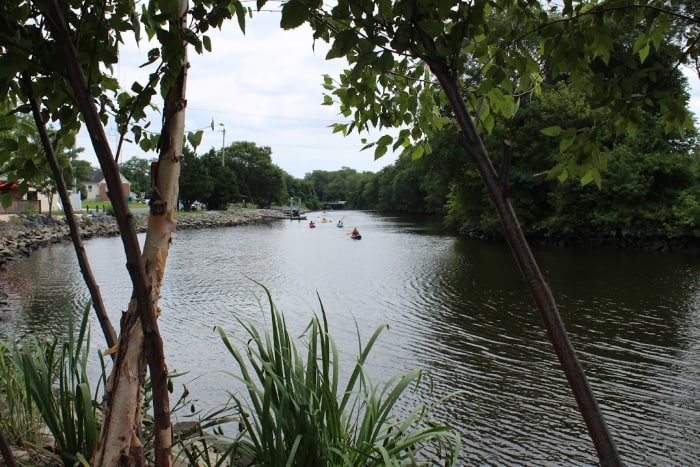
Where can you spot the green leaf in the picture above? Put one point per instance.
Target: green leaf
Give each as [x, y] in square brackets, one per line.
[640, 42]
[6, 200]
[386, 61]
[551, 131]
[68, 139]
[339, 128]
[145, 145]
[195, 138]
[563, 176]
[169, 7]
[488, 123]
[402, 38]
[240, 14]
[418, 152]
[587, 178]
[385, 140]
[10, 144]
[379, 152]
[344, 43]
[567, 139]
[294, 14]
[644, 53]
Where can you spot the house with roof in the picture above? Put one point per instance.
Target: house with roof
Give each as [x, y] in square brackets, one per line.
[97, 190]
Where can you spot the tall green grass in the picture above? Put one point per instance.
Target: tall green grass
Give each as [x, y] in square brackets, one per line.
[56, 381]
[298, 414]
[19, 419]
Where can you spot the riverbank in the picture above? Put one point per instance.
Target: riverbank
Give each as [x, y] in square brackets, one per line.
[22, 234]
[686, 244]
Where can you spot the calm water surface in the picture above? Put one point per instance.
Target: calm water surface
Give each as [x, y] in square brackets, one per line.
[455, 307]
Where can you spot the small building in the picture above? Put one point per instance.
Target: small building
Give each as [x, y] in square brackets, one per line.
[21, 203]
[96, 187]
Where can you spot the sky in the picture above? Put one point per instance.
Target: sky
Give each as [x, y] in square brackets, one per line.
[266, 87]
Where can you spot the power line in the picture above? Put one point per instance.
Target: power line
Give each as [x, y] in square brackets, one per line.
[274, 117]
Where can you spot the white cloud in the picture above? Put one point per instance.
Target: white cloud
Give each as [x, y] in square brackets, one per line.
[694, 90]
[264, 87]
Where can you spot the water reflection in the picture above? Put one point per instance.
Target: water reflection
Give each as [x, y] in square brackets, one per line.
[456, 307]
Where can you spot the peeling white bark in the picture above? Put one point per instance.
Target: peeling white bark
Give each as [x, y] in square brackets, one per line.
[119, 444]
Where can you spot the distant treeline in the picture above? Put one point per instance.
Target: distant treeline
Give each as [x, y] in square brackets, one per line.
[649, 182]
[651, 185]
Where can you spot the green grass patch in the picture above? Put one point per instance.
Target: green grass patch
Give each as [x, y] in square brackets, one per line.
[105, 205]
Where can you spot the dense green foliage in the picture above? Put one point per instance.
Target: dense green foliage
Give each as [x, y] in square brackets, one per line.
[243, 173]
[23, 160]
[650, 183]
[138, 172]
[296, 188]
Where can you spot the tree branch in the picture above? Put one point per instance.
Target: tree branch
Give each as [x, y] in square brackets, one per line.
[534, 279]
[88, 277]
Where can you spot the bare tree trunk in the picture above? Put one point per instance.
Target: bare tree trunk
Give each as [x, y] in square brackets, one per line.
[140, 337]
[539, 289]
[88, 277]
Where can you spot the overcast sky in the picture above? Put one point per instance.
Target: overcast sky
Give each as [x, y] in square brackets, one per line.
[266, 87]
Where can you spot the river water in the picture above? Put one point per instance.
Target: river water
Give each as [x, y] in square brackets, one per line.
[455, 307]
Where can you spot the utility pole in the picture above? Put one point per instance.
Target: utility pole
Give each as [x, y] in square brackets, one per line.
[223, 144]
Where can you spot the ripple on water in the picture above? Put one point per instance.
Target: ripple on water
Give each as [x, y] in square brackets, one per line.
[456, 308]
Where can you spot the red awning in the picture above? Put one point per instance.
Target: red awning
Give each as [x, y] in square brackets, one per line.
[3, 186]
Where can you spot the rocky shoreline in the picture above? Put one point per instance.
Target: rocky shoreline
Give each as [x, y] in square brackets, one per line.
[21, 234]
[663, 243]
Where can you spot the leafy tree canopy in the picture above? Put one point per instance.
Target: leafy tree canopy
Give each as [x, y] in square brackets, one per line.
[501, 51]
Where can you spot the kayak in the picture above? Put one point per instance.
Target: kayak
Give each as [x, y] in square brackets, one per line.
[356, 237]
[340, 225]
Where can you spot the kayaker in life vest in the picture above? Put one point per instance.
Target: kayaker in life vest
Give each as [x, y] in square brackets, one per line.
[355, 232]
